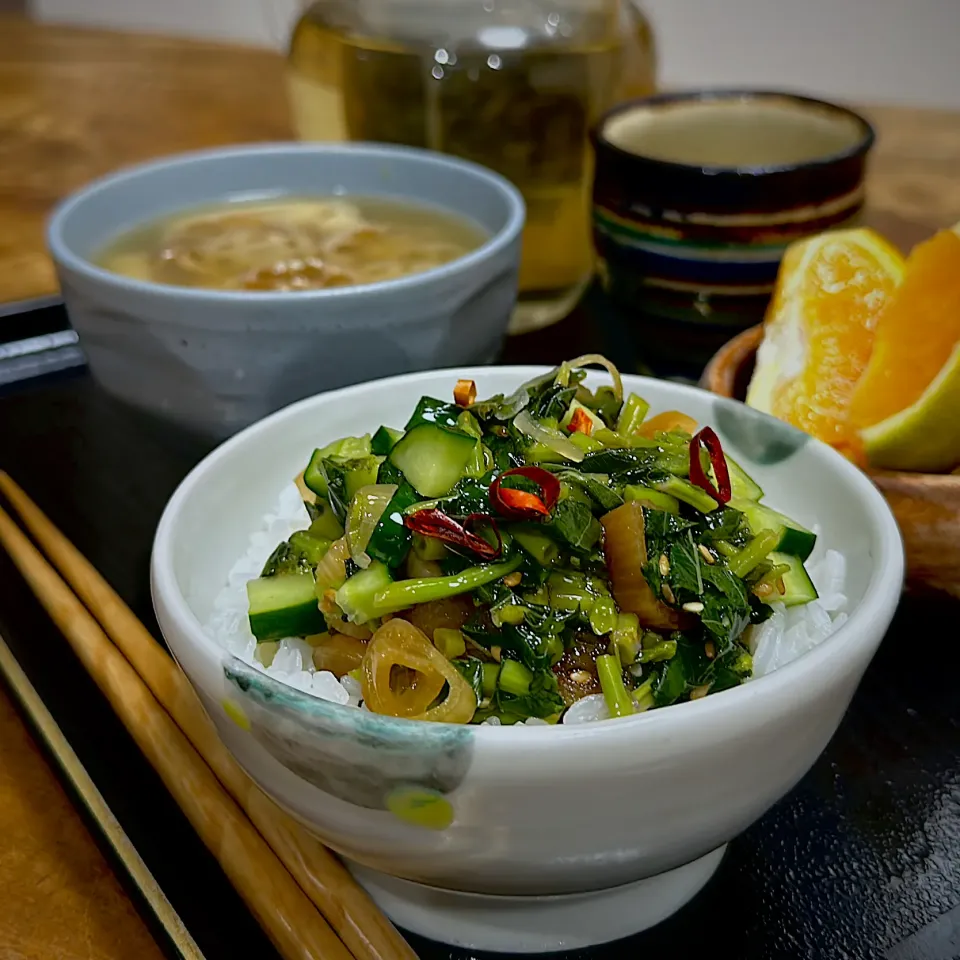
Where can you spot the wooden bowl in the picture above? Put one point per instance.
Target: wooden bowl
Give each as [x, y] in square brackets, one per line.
[926, 505]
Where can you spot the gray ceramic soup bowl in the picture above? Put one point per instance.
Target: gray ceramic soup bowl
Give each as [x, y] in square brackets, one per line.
[215, 361]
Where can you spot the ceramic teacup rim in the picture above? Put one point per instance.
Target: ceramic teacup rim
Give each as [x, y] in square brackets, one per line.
[860, 147]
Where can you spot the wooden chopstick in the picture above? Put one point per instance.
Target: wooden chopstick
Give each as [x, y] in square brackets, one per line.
[362, 927]
[291, 921]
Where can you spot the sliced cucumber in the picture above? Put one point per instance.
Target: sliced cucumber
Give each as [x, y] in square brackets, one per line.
[283, 606]
[794, 539]
[345, 477]
[799, 586]
[384, 440]
[433, 458]
[355, 597]
[632, 414]
[311, 548]
[324, 525]
[348, 448]
[742, 485]
[313, 477]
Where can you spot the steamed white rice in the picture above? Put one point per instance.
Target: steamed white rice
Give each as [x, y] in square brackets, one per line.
[788, 634]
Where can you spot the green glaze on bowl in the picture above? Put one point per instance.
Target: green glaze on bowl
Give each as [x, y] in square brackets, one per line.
[361, 757]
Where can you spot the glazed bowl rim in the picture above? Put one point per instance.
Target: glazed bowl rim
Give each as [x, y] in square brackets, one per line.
[64, 254]
[708, 95]
[770, 694]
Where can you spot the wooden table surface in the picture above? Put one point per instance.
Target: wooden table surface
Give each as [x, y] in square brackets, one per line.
[76, 104]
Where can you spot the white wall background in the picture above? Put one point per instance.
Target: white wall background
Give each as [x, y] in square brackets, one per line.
[881, 51]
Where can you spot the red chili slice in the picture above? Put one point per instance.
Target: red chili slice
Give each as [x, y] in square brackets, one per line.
[436, 524]
[474, 520]
[580, 422]
[465, 393]
[711, 443]
[521, 505]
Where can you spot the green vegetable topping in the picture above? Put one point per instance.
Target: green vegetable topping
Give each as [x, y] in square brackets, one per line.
[611, 682]
[480, 563]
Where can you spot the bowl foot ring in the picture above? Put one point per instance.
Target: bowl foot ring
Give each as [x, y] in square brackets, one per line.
[526, 924]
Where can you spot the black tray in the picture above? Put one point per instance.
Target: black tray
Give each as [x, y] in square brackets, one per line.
[861, 860]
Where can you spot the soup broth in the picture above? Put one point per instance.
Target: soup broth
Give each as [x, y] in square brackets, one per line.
[291, 244]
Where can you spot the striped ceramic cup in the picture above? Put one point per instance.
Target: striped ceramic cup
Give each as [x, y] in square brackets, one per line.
[697, 195]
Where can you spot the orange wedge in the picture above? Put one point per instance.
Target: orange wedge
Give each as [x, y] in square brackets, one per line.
[819, 330]
[907, 404]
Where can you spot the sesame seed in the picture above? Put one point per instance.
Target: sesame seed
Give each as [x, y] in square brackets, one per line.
[709, 649]
[694, 606]
[668, 593]
[698, 692]
[707, 555]
[664, 565]
[513, 579]
[581, 677]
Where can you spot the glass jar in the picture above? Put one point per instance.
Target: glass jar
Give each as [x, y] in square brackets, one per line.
[512, 84]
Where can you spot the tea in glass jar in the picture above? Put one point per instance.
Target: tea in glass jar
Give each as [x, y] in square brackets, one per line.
[514, 86]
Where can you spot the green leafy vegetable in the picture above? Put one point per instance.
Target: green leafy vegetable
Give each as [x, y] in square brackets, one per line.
[544, 619]
[384, 440]
[574, 523]
[390, 540]
[542, 700]
[434, 411]
[596, 486]
[471, 669]
[344, 478]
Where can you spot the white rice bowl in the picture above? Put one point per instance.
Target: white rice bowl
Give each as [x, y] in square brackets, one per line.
[788, 634]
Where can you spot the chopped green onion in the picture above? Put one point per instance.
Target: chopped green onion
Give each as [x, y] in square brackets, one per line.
[625, 638]
[509, 613]
[632, 414]
[644, 693]
[773, 574]
[610, 439]
[449, 642]
[743, 665]
[611, 683]
[490, 673]
[603, 616]
[540, 547]
[647, 495]
[541, 453]
[756, 551]
[688, 493]
[572, 591]
[725, 548]
[661, 650]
